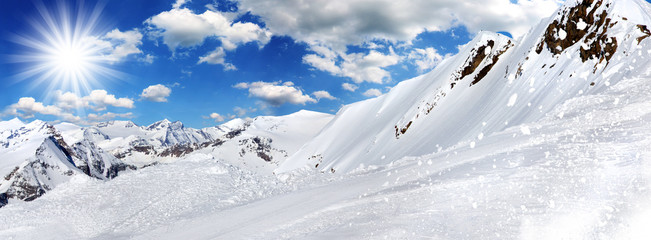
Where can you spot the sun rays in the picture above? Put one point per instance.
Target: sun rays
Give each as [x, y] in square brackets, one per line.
[63, 52]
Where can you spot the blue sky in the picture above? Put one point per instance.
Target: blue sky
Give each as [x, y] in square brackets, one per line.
[205, 62]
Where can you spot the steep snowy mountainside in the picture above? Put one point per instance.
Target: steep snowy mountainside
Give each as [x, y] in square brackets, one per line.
[50, 166]
[19, 141]
[492, 84]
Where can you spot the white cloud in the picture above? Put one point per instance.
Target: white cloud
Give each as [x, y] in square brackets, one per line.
[26, 107]
[180, 27]
[276, 93]
[156, 93]
[349, 87]
[179, 3]
[147, 59]
[97, 100]
[342, 22]
[124, 43]
[108, 116]
[217, 57]
[330, 26]
[359, 67]
[101, 99]
[425, 59]
[64, 103]
[373, 92]
[30, 106]
[323, 95]
[116, 45]
[216, 117]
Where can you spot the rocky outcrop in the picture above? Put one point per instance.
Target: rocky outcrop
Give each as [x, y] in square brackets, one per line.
[95, 162]
[586, 23]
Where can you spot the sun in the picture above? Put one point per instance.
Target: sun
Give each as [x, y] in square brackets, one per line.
[63, 52]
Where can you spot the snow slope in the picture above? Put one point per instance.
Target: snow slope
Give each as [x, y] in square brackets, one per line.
[492, 84]
[543, 138]
[585, 175]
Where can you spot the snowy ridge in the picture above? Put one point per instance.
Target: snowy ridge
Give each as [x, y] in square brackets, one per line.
[485, 89]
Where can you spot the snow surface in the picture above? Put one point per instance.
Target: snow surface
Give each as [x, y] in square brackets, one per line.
[570, 159]
[565, 180]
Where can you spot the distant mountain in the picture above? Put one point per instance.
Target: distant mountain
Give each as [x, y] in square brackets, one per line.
[36, 157]
[493, 83]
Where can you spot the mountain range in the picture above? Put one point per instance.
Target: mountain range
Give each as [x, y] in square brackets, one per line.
[559, 117]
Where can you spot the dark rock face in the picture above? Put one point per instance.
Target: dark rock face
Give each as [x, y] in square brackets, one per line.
[94, 162]
[482, 73]
[593, 35]
[645, 31]
[260, 146]
[3, 199]
[476, 59]
[178, 150]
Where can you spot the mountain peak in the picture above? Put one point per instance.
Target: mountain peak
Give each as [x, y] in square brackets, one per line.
[160, 124]
[11, 124]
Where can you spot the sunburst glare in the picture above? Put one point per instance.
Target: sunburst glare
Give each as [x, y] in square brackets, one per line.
[64, 52]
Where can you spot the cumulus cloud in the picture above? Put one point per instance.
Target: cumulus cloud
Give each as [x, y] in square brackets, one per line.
[323, 95]
[182, 28]
[276, 93]
[334, 25]
[116, 45]
[359, 67]
[65, 103]
[26, 107]
[101, 99]
[217, 117]
[179, 3]
[217, 57]
[373, 92]
[156, 93]
[425, 59]
[97, 100]
[29, 106]
[349, 87]
[343, 22]
[124, 43]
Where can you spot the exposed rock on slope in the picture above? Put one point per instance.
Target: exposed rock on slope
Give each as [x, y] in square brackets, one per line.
[493, 83]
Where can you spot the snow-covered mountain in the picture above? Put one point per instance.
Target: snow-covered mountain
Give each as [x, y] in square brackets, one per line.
[543, 137]
[493, 83]
[37, 156]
